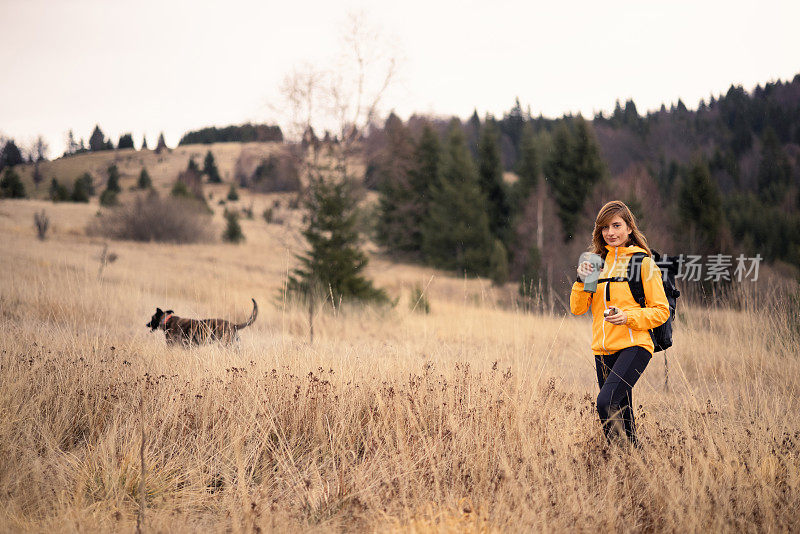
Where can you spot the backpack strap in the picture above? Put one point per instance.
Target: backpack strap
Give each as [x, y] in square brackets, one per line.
[635, 277]
[637, 286]
[608, 288]
[613, 279]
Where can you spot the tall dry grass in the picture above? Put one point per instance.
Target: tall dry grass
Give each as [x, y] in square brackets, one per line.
[471, 418]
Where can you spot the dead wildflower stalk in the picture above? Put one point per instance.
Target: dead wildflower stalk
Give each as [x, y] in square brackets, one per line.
[105, 258]
[311, 320]
[423, 298]
[42, 222]
[140, 515]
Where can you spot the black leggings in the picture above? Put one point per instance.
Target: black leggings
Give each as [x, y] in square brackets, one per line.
[616, 375]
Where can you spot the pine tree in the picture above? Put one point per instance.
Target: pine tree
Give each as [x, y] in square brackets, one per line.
[767, 229]
[473, 132]
[498, 264]
[97, 141]
[83, 189]
[233, 195]
[162, 144]
[631, 116]
[233, 230]
[113, 179]
[735, 112]
[513, 123]
[144, 142]
[180, 190]
[11, 185]
[560, 174]
[700, 205]
[58, 193]
[144, 182]
[617, 118]
[527, 168]
[422, 177]
[109, 196]
[774, 171]
[125, 141]
[573, 169]
[333, 263]
[456, 231]
[490, 173]
[635, 205]
[210, 169]
[10, 155]
[589, 163]
[397, 202]
[72, 145]
[190, 183]
[87, 180]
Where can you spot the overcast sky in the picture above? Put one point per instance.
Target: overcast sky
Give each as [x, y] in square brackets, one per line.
[149, 66]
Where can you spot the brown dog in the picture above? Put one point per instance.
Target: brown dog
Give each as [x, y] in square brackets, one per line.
[197, 331]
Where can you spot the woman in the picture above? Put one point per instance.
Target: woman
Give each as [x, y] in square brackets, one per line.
[621, 339]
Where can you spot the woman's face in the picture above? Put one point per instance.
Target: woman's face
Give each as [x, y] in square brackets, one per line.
[617, 232]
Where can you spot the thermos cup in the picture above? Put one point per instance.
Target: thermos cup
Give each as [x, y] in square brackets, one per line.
[590, 281]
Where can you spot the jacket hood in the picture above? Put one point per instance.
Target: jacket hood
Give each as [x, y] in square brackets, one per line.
[625, 251]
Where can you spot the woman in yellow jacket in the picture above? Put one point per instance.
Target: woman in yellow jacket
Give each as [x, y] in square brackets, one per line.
[621, 339]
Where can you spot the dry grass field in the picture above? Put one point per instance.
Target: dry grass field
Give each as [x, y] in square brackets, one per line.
[473, 418]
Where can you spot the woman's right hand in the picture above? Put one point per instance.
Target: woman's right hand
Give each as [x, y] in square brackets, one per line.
[585, 269]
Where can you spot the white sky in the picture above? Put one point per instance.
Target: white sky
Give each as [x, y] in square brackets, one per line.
[144, 66]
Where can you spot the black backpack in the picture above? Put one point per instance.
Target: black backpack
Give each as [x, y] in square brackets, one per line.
[662, 334]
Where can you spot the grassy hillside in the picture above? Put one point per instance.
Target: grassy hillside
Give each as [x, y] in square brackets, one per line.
[163, 168]
[472, 418]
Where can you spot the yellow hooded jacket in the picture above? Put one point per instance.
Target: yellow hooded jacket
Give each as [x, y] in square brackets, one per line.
[608, 338]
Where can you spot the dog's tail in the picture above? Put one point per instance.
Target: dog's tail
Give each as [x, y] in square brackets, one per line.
[252, 317]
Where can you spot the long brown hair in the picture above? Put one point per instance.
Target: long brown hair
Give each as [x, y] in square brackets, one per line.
[608, 212]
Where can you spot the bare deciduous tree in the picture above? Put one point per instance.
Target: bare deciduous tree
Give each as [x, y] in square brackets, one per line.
[344, 99]
[71, 145]
[39, 149]
[366, 68]
[345, 96]
[301, 90]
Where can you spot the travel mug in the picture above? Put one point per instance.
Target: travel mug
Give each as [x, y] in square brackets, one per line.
[590, 281]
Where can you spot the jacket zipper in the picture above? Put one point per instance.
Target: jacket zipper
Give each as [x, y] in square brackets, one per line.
[603, 324]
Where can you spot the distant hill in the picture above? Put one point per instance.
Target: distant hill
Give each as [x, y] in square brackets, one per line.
[728, 131]
[163, 168]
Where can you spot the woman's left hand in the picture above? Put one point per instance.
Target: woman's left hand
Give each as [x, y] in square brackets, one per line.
[619, 318]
